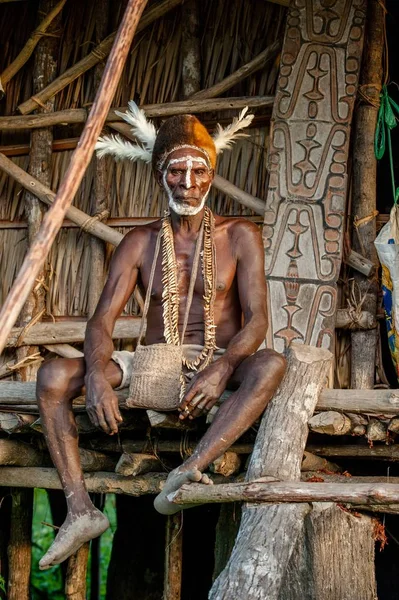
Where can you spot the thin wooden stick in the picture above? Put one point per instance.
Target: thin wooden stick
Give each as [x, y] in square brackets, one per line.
[75, 580]
[97, 55]
[74, 175]
[251, 67]
[79, 115]
[29, 47]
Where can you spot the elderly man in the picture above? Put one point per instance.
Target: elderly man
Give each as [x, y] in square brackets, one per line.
[206, 293]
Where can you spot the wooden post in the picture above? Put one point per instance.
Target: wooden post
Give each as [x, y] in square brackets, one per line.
[226, 533]
[173, 557]
[100, 198]
[75, 580]
[363, 343]
[77, 167]
[19, 548]
[259, 560]
[5, 512]
[44, 72]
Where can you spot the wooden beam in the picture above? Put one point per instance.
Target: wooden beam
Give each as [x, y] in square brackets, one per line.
[79, 115]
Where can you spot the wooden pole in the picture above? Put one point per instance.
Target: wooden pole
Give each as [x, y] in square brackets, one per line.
[363, 343]
[19, 548]
[259, 560]
[98, 54]
[79, 161]
[44, 71]
[75, 580]
[173, 557]
[100, 195]
[191, 67]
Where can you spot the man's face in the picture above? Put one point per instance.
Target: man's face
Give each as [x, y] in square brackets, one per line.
[187, 179]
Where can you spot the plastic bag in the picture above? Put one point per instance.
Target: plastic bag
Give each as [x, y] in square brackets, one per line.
[387, 245]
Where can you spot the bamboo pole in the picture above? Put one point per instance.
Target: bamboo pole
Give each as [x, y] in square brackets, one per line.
[191, 59]
[79, 161]
[29, 47]
[364, 343]
[168, 109]
[19, 548]
[97, 55]
[242, 73]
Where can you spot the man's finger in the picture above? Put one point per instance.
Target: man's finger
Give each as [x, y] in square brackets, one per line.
[109, 415]
[93, 417]
[196, 400]
[117, 413]
[101, 421]
[188, 396]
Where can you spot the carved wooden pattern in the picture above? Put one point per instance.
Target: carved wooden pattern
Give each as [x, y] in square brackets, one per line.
[308, 155]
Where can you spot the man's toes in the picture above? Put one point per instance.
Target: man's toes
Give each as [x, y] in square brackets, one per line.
[195, 476]
[206, 479]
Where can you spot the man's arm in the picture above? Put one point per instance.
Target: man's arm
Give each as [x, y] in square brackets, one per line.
[209, 384]
[101, 401]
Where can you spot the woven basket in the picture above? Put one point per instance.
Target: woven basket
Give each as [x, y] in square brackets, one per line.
[156, 378]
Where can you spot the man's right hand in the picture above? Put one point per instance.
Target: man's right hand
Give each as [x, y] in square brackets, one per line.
[102, 405]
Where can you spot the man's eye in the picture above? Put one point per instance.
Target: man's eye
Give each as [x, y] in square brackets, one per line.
[200, 171]
[176, 171]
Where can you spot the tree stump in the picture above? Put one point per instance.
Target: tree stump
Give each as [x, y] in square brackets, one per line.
[268, 533]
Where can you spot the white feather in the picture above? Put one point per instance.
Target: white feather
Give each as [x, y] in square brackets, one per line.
[142, 129]
[224, 138]
[120, 149]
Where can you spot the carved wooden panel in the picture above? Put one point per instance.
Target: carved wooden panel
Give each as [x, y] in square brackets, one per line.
[308, 155]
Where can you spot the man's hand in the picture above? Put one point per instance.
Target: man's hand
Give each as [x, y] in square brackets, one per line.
[102, 405]
[205, 389]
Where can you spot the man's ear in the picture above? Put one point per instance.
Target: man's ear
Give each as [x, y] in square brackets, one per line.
[159, 177]
[212, 174]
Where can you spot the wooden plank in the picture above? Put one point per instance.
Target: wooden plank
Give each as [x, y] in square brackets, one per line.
[308, 153]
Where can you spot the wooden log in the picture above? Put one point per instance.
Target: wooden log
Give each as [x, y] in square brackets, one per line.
[29, 47]
[21, 454]
[364, 197]
[376, 431]
[228, 464]
[64, 350]
[347, 319]
[383, 452]
[5, 518]
[331, 423]
[191, 53]
[99, 483]
[173, 557]
[160, 420]
[75, 580]
[258, 561]
[311, 462]
[48, 197]
[361, 264]
[19, 548]
[79, 115]
[288, 491]
[73, 177]
[98, 54]
[337, 547]
[47, 333]
[242, 73]
[393, 425]
[137, 464]
[11, 422]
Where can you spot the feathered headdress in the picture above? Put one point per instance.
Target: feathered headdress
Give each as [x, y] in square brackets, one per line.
[176, 132]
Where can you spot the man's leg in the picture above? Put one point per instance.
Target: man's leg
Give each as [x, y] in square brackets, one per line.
[59, 382]
[258, 377]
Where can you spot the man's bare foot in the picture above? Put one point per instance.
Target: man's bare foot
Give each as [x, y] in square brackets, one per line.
[75, 531]
[175, 480]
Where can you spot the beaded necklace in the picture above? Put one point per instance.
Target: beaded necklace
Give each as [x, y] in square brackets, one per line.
[170, 293]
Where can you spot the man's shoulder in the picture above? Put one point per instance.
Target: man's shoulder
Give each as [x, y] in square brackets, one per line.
[142, 234]
[237, 227]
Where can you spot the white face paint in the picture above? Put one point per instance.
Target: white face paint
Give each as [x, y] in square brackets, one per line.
[178, 208]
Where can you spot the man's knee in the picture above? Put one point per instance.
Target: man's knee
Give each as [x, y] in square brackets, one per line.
[52, 380]
[269, 366]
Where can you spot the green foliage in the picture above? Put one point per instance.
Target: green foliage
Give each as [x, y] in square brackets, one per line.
[2, 584]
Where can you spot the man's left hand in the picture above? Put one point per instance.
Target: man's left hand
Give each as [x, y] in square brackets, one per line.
[204, 390]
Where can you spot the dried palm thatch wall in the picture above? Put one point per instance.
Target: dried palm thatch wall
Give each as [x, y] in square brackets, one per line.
[232, 33]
